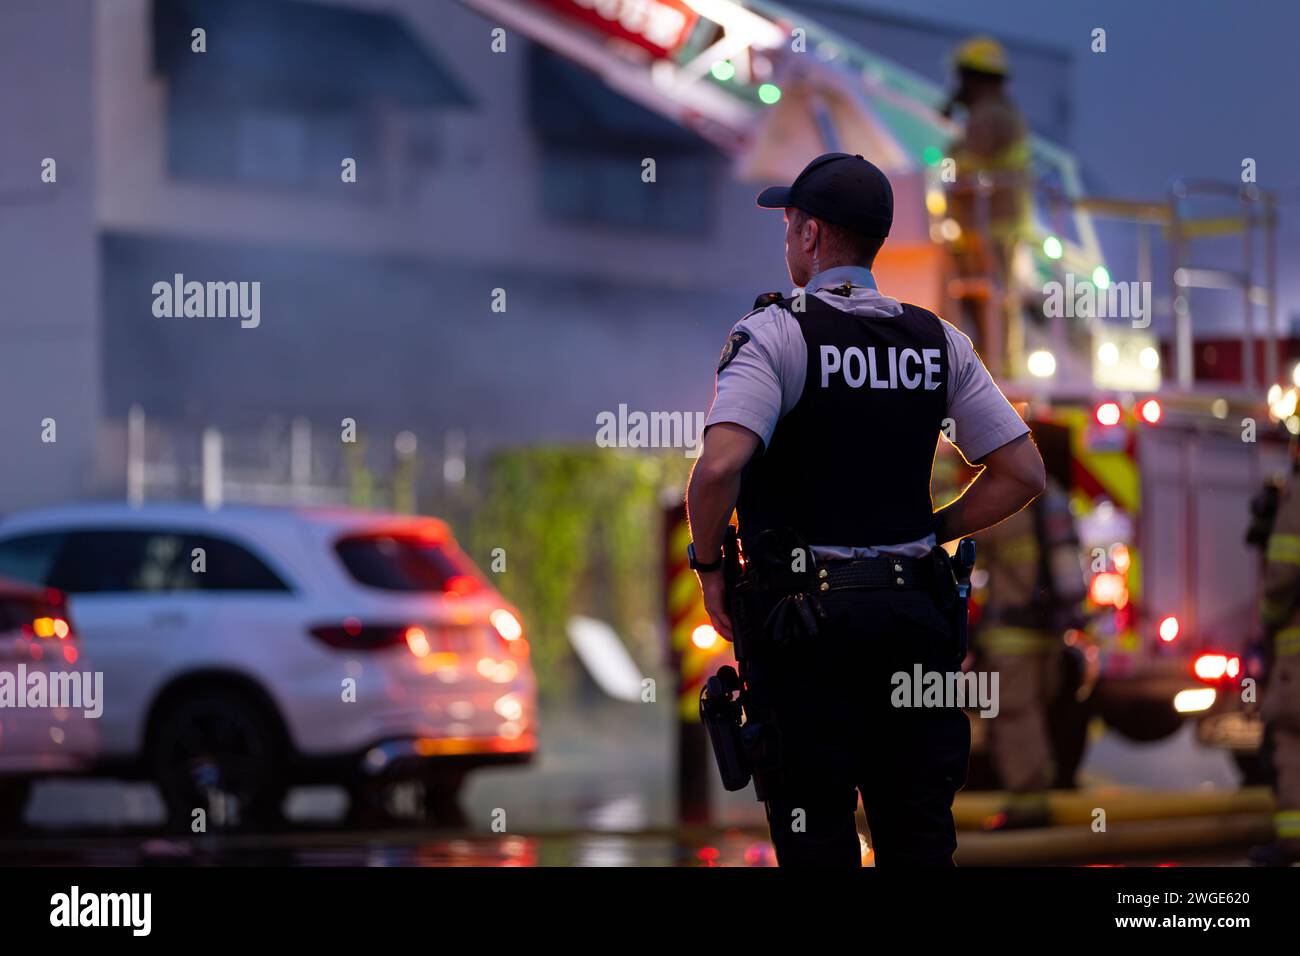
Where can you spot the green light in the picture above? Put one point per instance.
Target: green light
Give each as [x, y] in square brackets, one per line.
[723, 70]
[1052, 247]
[932, 155]
[769, 93]
[1100, 277]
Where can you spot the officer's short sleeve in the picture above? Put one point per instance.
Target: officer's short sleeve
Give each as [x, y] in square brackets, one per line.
[761, 372]
[982, 418]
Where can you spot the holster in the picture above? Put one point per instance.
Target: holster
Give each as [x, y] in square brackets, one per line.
[962, 564]
[733, 705]
[722, 715]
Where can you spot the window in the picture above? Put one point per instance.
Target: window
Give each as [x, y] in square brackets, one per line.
[29, 557]
[290, 145]
[231, 567]
[405, 563]
[286, 90]
[98, 562]
[592, 142]
[605, 188]
[117, 561]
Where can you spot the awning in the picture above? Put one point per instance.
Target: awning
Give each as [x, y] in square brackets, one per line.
[570, 107]
[282, 50]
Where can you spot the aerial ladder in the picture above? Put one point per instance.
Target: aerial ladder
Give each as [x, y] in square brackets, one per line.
[769, 89]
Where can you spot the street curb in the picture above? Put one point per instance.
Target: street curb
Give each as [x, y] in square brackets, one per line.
[1056, 845]
[971, 810]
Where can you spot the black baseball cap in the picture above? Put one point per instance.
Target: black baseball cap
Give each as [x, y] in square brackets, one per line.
[839, 188]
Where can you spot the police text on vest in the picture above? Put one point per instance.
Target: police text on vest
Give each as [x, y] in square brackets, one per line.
[908, 369]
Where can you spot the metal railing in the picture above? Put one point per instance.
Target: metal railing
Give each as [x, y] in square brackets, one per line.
[1256, 222]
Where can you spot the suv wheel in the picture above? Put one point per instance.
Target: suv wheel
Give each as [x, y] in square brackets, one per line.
[218, 752]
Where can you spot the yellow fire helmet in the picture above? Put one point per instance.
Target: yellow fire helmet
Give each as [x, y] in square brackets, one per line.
[982, 53]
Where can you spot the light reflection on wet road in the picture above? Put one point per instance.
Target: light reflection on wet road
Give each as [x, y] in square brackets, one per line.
[397, 848]
[599, 795]
[430, 848]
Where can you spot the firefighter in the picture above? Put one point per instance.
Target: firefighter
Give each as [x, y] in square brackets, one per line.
[828, 409]
[989, 200]
[1036, 585]
[1280, 708]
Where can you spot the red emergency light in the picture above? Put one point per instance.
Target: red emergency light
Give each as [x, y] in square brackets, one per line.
[1108, 414]
[1150, 411]
[658, 26]
[1108, 588]
[1212, 667]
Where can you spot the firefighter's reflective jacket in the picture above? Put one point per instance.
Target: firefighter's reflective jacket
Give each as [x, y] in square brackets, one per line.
[1036, 579]
[1279, 609]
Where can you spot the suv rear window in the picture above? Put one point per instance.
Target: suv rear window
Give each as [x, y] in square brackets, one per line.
[407, 563]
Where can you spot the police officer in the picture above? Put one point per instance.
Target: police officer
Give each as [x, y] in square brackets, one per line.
[828, 409]
[1280, 707]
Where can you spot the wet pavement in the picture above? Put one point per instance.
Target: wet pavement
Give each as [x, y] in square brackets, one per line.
[387, 848]
[601, 793]
[426, 848]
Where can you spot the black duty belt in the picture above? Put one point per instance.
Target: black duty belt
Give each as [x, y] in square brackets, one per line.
[899, 574]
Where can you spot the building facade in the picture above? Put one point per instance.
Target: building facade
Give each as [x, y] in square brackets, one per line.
[498, 269]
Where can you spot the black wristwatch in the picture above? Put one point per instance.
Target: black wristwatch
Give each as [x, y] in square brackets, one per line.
[700, 565]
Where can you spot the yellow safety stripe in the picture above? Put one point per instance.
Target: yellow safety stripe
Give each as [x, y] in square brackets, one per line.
[1028, 801]
[1284, 548]
[1287, 823]
[1287, 641]
[1014, 640]
[683, 591]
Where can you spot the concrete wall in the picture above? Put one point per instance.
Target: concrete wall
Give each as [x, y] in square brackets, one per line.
[49, 350]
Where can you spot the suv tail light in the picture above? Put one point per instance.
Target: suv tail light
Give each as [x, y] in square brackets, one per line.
[40, 620]
[462, 585]
[444, 643]
[47, 626]
[507, 625]
[352, 635]
[510, 630]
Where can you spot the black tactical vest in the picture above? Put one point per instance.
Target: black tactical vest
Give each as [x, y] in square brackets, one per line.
[850, 463]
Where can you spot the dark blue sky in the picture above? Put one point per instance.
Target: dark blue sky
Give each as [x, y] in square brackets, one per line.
[1186, 88]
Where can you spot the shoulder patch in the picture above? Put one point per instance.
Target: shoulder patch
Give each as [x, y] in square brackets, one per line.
[735, 342]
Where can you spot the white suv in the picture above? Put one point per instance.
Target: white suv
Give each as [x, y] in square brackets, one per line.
[246, 649]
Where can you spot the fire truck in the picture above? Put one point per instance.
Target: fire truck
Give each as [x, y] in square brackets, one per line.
[1161, 469]
[1161, 433]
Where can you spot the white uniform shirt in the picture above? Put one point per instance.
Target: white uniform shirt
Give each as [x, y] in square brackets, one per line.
[764, 377]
